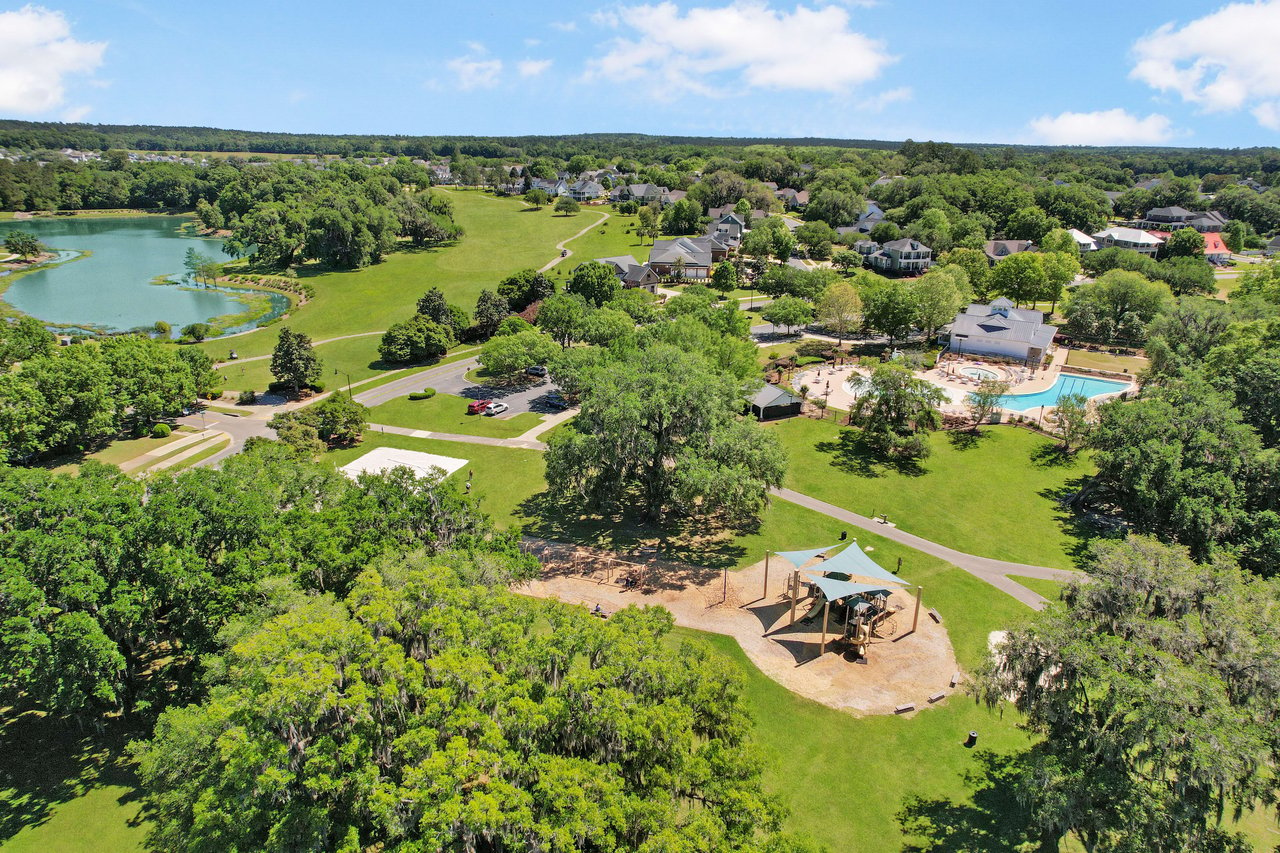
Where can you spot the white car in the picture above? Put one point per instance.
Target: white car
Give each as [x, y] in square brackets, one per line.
[496, 409]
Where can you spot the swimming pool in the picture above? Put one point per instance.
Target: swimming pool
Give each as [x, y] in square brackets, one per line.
[1068, 383]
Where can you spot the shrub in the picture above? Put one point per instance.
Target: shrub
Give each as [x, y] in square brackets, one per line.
[809, 359]
[247, 398]
[813, 348]
[161, 431]
[213, 394]
[430, 392]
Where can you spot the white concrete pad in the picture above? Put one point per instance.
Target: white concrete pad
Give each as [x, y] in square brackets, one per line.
[385, 458]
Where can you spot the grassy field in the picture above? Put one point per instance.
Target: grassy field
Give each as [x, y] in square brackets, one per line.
[1106, 361]
[1050, 589]
[447, 413]
[992, 495]
[504, 476]
[613, 242]
[502, 237]
[62, 792]
[121, 451]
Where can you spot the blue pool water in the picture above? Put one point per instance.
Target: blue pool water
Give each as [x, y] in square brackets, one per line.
[1067, 384]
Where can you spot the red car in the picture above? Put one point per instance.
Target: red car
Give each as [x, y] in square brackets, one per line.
[476, 407]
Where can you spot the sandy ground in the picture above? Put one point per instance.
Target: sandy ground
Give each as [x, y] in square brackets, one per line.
[901, 667]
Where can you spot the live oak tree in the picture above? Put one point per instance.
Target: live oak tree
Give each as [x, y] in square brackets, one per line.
[1071, 421]
[22, 338]
[1060, 269]
[662, 430]
[338, 420]
[566, 206]
[1183, 243]
[724, 279]
[893, 409]
[1118, 304]
[505, 355]
[887, 307]
[417, 339]
[293, 361]
[1019, 277]
[789, 311]
[938, 295]
[491, 310]
[1152, 693]
[431, 711]
[595, 282]
[524, 288]
[975, 263]
[563, 316]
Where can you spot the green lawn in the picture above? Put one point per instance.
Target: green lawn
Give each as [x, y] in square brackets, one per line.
[502, 237]
[122, 450]
[993, 495]
[504, 476]
[1050, 589]
[613, 242]
[62, 792]
[447, 413]
[1106, 361]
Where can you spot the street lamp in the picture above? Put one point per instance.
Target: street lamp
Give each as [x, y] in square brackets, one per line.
[336, 371]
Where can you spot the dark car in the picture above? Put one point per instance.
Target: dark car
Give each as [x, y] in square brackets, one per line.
[537, 370]
[557, 402]
[476, 407]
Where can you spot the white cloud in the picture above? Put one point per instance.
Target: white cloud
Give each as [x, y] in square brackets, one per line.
[714, 50]
[565, 26]
[75, 114]
[532, 67]
[1102, 127]
[532, 42]
[1223, 62]
[36, 53]
[473, 73]
[878, 102]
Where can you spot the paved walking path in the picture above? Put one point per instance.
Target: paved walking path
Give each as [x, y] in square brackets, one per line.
[517, 443]
[221, 364]
[560, 247]
[994, 572]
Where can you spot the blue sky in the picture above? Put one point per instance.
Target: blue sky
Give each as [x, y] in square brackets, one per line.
[1179, 73]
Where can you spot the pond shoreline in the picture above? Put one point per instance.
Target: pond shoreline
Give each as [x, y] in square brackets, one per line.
[259, 305]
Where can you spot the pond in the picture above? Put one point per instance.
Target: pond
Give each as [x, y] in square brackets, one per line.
[110, 288]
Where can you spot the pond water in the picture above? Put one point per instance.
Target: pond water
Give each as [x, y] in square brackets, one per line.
[111, 288]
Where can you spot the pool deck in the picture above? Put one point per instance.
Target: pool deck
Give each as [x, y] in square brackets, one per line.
[829, 382]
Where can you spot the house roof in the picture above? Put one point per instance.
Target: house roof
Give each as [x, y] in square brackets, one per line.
[1083, 239]
[1214, 244]
[1129, 235]
[693, 251]
[638, 274]
[772, 395]
[907, 244]
[1001, 321]
[1169, 212]
[620, 263]
[1004, 248]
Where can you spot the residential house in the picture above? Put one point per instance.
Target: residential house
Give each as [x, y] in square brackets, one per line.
[632, 273]
[688, 257]
[1168, 216]
[1148, 184]
[905, 256]
[717, 212]
[585, 190]
[1112, 195]
[1252, 184]
[792, 198]
[1272, 247]
[870, 218]
[866, 248]
[1084, 242]
[997, 250]
[555, 188]
[642, 193]
[670, 197]
[1215, 248]
[1173, 218]
[1128, 238]
[729, 228]
[999, 329]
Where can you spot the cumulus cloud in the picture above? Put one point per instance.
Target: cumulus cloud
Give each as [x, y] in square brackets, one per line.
[532, 67]
[474, 72]
[715, 50]
[1225, 61]
[36, 53]
[877, 103]
[1103, 127]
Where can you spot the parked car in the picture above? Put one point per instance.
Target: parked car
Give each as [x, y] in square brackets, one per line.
[536, 370]
[476, 407]
[496, 409]
[557, 401]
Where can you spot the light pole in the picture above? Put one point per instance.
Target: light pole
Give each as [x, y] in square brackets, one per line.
[336, 371]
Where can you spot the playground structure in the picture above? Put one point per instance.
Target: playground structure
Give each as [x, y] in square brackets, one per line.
[856, 586]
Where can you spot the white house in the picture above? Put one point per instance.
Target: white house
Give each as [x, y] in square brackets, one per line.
[1083, 241]
[1002, 330]
[1128, 238]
